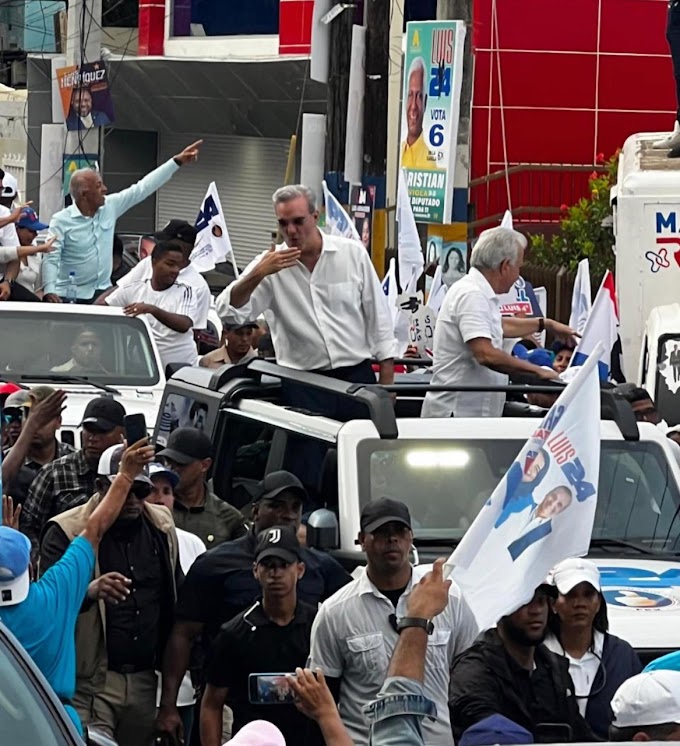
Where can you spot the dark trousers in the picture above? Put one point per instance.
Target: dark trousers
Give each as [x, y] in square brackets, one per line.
[673, 38]
[304, 457]
[20, 294]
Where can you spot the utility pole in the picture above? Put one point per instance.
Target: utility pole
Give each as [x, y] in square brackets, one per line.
[338, 93]
[396, 64]
[377, 66]
[462, 10]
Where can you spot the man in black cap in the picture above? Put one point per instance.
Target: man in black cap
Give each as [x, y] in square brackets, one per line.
[271, 636]
[236, 348]
[357, 629]
[182, 234]
[220, 584]
[508, 671]
[126, 617]
[70, 481]
[198, 510]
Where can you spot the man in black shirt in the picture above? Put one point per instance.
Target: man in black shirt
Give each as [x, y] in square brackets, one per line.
[271, 636]
[126, 618]
[221, 584]
[509, 672]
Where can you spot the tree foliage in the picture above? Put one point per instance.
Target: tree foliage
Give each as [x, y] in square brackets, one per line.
[586, 228]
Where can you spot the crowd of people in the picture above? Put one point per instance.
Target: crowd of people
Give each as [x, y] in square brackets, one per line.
[162, 614]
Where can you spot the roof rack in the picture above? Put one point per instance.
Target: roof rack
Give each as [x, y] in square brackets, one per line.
[380, 406]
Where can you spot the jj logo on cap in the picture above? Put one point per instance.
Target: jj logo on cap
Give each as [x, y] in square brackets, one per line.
[275, 536]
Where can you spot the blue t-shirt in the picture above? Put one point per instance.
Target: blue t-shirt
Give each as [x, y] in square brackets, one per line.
[45, 623]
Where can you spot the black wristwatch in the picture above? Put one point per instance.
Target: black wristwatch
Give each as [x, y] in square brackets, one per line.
[414, 621]
[541, 325]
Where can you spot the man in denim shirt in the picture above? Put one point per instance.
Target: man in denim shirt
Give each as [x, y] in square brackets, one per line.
[84, 230]
[396, 716]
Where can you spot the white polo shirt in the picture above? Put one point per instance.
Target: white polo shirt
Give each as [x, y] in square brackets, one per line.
[173, 347]
[333, 317]
[353, 640]
[470, 310]
[189, 276]
[9, 242]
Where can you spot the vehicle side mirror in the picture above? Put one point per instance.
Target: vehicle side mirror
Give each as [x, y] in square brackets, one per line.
[323, 532]
[94, 737]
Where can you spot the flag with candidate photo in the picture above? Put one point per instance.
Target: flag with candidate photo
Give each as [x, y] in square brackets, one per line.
[213, 244]
[541, 512]
[338, 222]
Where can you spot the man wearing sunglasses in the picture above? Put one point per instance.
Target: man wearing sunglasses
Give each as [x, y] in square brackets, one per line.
[127, 616]
[322, 300]
[71, 480]
[13, 414]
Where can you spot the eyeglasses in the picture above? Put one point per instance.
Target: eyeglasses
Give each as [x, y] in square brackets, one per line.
[293, 221]
[141, 490]
[9, 417]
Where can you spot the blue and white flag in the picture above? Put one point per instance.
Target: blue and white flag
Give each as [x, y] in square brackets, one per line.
[601, 329]
[338, 222]
[541, 513]
[581, 298]
[213, 244]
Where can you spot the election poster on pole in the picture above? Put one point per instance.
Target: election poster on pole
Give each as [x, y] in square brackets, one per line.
[433, 74]
[543, 510]
[85, 96]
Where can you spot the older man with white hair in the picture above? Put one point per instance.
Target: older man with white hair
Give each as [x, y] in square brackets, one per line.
[83, 249]
[468, 338]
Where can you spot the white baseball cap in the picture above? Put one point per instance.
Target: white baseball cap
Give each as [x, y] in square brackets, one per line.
[570, 572]
[650, 698]
[9, 186]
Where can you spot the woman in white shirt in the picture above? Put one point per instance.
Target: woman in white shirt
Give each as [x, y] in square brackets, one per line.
[598, 662]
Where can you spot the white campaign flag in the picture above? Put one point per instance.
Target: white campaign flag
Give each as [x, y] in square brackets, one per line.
[212, 240]
[437, 292]
[389, 286]
[541, 512]
[581, 298]
[338, 222]
[507, 220]
[410, 252]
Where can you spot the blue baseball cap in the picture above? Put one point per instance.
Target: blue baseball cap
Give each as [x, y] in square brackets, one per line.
[495, 729]
[29, 220]
[158, 470]
[15, 560]
[540, 357]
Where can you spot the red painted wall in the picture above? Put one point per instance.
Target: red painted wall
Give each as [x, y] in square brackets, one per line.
[576, 78]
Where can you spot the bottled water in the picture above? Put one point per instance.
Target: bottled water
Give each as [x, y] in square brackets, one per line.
[72, 289]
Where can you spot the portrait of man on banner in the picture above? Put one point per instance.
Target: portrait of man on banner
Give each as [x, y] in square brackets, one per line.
[85, 96]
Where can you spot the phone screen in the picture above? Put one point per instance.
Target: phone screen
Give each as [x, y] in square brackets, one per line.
[270, 689]
[135, 428]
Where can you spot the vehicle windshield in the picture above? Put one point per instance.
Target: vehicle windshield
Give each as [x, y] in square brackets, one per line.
[25, 716]
[113, 350]
[445, 483]
[668, 379]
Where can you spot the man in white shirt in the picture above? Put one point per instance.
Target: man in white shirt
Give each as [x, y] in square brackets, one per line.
[170, 305]
[184, 235]
[320, 296]
[468, 338]
[356, 630]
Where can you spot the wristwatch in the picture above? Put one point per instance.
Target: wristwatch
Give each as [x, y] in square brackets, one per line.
[414, 621]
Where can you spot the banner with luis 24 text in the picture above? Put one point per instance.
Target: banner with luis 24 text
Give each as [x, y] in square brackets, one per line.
[430, 109]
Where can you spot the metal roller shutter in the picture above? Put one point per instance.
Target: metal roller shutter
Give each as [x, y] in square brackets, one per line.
[247, 170]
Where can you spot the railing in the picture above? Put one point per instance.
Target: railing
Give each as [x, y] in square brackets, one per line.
[538, 192]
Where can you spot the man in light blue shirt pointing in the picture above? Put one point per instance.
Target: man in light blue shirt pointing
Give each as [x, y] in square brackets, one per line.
[84, 231]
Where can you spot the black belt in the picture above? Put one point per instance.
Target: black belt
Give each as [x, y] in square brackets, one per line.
[130, 668]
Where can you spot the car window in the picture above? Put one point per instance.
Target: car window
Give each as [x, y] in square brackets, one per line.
[25, 718]
[668, 379]
[445, 483]
[183, 411]
[107, 349]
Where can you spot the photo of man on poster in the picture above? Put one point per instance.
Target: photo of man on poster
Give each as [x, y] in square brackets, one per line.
[414, 152]
[82, 115]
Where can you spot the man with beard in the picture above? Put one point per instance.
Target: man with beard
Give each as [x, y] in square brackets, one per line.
[71, 480]
[509, 672]
[127, 614]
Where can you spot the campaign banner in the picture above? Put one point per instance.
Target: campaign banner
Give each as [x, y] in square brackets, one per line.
[542, 511]
[73, 163]
[520, 300]
[338, 222]
[361, 209]
[85, 96]
[433, 77]
[213, 244]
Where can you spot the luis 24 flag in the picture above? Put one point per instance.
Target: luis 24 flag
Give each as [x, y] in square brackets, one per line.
[212, 240]
[410, 253]
[601, 329]
[338, 222]
[543, 510]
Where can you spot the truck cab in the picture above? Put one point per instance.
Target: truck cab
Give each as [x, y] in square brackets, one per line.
[444, 470]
